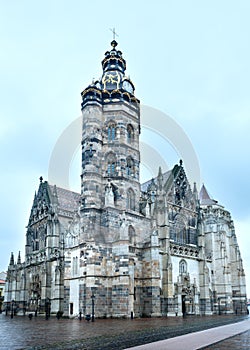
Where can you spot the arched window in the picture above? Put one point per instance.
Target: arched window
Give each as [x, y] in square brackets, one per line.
[111, 164]
[182, 267]
[184, 236]
[111, 132]
[130, 133]
[131, 199]
[111, 168]
[192, 222]
[178, 231]
[130, 167]
[131, 235]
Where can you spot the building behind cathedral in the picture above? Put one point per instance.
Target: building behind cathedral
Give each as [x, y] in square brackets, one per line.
[161, 248]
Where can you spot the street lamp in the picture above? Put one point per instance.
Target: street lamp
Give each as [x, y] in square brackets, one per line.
[219, 305]
[24, 308]
[47, 308]
[12, 308]
[93, 306]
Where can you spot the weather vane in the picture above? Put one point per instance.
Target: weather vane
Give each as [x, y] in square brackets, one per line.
[114, 33]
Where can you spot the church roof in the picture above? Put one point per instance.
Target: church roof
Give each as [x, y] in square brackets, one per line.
[145, 185]
[205, 198]
[67, 200]
[166, 178]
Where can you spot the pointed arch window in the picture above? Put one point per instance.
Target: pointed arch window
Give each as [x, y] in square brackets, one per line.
[111, 164]
[111, 169]
[131, 199]
[111, 132]
[182, 267]
[130, 133]
[178, 231]
[131, 235]
[130, 168]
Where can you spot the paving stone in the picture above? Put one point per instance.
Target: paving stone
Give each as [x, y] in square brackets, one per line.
[114, 334]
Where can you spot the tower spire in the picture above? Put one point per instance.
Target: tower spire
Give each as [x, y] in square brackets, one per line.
[12, 259]
[19, 258]
[195, 192]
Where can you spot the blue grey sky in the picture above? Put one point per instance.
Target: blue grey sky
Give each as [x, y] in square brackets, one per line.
[189, 59]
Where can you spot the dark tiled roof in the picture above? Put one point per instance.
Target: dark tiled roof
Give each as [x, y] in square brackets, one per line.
[67, 200]
[205, 199]
[145, 185]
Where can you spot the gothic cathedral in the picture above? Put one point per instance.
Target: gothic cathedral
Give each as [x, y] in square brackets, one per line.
[153, 249]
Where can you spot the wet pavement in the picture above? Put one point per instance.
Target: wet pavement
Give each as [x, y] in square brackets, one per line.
[21, 333]
[199, 340]
[238, 342]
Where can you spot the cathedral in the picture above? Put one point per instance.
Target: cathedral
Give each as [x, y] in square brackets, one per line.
[120, 248]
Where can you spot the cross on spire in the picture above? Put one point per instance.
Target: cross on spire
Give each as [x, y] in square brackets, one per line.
[114, 33]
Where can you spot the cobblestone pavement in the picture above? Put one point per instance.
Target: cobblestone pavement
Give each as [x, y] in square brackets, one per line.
[37, 334]
[238, 342]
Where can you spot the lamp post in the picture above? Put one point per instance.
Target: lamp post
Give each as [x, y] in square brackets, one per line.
[47, 308]
[12, 308]
[219, 306]
[24, 308]
[93, 307]
[36, 303]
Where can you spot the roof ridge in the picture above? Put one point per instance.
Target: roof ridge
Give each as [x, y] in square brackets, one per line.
[64, 189]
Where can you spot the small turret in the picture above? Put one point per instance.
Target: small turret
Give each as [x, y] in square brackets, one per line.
[12, 259]
[195, 192]
[19, 258]
[160, 179]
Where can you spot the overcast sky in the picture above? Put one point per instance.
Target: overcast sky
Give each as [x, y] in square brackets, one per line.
[188, 59]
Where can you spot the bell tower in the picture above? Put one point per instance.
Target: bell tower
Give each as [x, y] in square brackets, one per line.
[110, 139]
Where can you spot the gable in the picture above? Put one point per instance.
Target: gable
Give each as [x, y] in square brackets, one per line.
[175, 185]
[48, 197]
[178, 189]
[41, 202]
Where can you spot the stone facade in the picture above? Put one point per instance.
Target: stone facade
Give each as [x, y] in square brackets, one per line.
[2, 288]
[156, 249]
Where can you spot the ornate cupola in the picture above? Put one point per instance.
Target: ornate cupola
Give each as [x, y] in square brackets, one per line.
[114, 85]
[113, 60]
